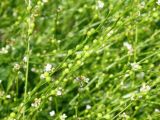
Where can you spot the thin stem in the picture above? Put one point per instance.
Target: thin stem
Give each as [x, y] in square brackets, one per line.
[56, 104]
[135, 48]
[56, 20]
[27, 62]
[17, 89]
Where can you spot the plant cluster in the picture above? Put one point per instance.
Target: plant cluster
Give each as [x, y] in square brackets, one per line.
[79, 59]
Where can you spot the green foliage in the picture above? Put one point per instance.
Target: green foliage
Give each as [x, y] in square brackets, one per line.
[79, 59]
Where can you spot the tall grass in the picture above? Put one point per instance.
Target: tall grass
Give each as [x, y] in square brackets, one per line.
[79, 60]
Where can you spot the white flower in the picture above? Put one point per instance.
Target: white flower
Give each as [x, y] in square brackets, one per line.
[129, 47]
[124, 115]
[100, 4]
[50, 98]
[82, 78]
[25, 59]
[8, 47]
[109, 34]
[59, 93]
[132, 97]
[135, 66]
[8, 96]
[140, 75]
[16, 66]
[37, 102]
[33, 69]
[42, 76]
[45, 1]
[0, 81]
[88, 107]
[157, 110]
[126, 75]
[145, 88]
[4, 50]
[86, 80]
[48, 67]
[158, 2]
[52, 113]
[63, 117]
[143, 4]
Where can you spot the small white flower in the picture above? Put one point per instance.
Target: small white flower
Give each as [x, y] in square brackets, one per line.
[63, 116]
[8, 47]
[25, 59]
[135, 66]
[145, 88]
[33, 69]
[140, 75]
[48, 67]
[52, 113]
[16, 66]
[59, 93]
[132, 97]
[4, 50]
[157, 110]
[86, 80]
[124, 115]
[45, 1]
[109, 34]
[42, 76]
[37, 102]
[100, 4]
[88, 107]
[32, 104]
[154, 9]
[129, 47]
[8, 96]
[0, 81]
[143, 4]
[50, 98]
[126, 75]
[122, 83]
[158, 2]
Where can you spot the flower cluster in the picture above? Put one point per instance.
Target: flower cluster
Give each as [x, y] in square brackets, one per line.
[145, 88]
[36, 103]
[158, 2]
[129, 47]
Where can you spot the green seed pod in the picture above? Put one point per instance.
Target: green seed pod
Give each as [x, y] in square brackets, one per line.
[64, 65]
[95, 41]
[70, 65]
[70, 52]
[78, 47]
[30, 30]
[78, 62]
[46, 74]
[13, 115]
[86, 47]
[66, 71]
[99, 115]
[29, 8]
[43, 97]
[78, 56]
[53, 92]
[87, 54]
[48, 79]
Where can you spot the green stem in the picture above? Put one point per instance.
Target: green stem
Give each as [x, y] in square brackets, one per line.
[17, 89]
[56, 104]
[27, 63]
[135, 48]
